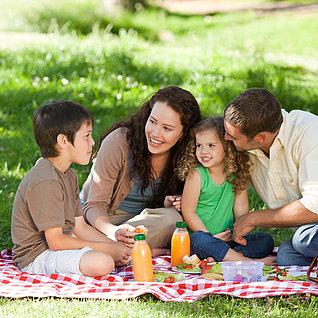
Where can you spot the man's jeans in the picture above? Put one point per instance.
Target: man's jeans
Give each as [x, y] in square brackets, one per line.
[205, 245]
[301, 248]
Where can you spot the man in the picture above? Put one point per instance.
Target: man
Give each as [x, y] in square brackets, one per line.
[283, 148]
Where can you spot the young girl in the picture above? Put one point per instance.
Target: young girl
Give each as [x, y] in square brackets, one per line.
[215, 193]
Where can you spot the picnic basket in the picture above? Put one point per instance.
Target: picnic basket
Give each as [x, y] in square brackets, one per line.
[311, 270]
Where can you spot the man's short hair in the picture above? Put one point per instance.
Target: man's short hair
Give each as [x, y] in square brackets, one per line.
[254, 111]
[58, 117]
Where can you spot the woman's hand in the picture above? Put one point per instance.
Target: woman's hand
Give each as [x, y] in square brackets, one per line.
[173, 201]
[224, 236]
[125, 234]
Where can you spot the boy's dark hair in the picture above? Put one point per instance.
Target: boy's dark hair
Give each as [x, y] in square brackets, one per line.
[254, 111]
[58, 117]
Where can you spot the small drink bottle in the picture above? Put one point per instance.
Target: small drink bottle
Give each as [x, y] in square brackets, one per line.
[142, 260]
[180, 243]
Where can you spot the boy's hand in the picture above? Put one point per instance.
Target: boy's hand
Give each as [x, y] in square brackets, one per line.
[120, 253]
[173, 201]
[224, 236]
[125, 235]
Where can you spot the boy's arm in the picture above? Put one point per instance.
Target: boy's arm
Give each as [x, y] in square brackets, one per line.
[240, 206]
[189, 201]
[57, 240]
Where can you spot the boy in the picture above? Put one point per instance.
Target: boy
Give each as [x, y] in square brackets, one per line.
[48, 229]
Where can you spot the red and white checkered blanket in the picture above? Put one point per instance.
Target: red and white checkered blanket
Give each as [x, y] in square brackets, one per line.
[119, 285]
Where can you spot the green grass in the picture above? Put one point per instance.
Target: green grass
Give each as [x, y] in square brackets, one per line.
[148, 306]
[112, 71]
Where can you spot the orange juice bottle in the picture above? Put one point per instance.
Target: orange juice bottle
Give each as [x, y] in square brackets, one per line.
[142, 259]
[180, 243]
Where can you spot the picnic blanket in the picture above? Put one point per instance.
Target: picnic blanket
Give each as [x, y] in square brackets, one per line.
[120, 285]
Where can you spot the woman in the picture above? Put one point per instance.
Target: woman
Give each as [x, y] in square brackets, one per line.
[134, 175]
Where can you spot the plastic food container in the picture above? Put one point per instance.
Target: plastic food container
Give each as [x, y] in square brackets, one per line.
[243, 271]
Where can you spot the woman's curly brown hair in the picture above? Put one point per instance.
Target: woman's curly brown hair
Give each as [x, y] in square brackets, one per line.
[236, 163]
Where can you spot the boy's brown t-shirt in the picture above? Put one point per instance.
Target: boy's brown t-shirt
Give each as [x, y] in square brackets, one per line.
[46, 198]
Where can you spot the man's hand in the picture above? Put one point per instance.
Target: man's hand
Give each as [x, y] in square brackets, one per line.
[242, 227]
[125, 235]
[173, 201]
[224, 236]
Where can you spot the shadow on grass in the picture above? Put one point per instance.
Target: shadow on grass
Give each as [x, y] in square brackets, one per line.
[286, 83]
[73, 66]
[107, 91]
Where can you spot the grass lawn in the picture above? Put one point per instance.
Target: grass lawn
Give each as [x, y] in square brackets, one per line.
[69, 51]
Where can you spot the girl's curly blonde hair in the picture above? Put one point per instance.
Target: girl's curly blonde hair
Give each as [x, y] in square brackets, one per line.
[236, 163]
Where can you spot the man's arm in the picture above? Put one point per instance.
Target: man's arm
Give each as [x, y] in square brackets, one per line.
[292, 214]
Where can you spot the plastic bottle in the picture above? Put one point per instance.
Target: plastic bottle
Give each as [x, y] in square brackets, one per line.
[180, 243]
[142, 260]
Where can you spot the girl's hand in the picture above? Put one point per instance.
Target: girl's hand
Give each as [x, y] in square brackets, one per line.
[173, 201]
[224, 236]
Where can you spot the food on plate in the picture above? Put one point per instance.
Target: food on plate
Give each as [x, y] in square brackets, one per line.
[191, 260]
[169, 279]
[188, 269]
[163, 277]
[203, 263]
[212, 271]
[280, 273]
[190, 265]
[213, 276]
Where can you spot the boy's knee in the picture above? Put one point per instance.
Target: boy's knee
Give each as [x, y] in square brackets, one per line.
[95, 263]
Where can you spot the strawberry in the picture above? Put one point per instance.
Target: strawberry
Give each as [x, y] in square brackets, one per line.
[203, 263]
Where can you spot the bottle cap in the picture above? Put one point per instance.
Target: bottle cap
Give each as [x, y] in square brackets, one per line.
[139, 237]
[182, 225]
